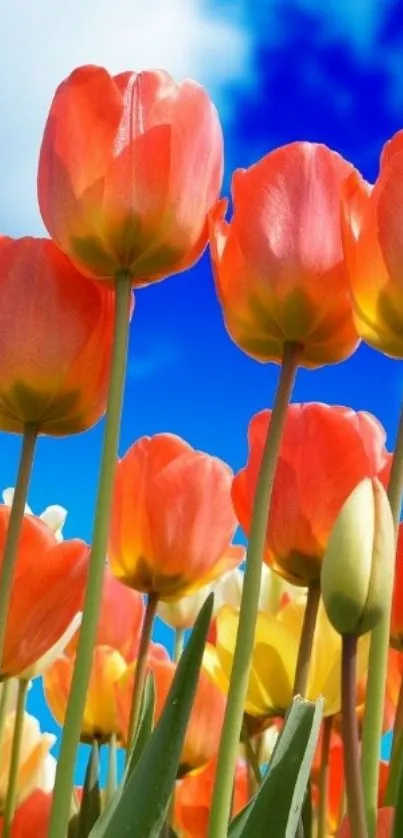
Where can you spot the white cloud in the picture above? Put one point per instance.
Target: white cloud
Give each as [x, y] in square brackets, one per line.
[43, 40]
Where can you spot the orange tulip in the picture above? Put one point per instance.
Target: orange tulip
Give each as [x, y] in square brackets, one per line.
[384, 827]
[47, 592]
[325, 452]
[172, 518]
[120, 619]
[396, 626]
[119, 628]
[55, 340]
[373, 250]
[193, 799]
[206, 719]
[279, 268]
[32, 817]
[129, 167]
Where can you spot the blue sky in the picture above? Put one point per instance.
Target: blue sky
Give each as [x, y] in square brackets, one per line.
[288, 70]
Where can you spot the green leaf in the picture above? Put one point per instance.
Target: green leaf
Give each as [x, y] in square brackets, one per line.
[141, 810]
[90, 808]
[144, 729]
[276, 808]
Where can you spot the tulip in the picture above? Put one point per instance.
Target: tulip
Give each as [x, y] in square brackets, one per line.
[47, 592]
[117, 641]
[129, 167]
[359, 561]
[31, 817]
[54, 516]
[279, 269]
[37, 766]
[325, 452]
[396, 628]
[54, 368]
[206, 719]
[274, 660]
[172, 518]
[384, 827]
[373, 251]
[193, 798]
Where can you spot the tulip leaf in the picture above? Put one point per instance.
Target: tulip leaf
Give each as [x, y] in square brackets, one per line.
[143, 805]
[90, 808]
[277, 806]
[144, 729]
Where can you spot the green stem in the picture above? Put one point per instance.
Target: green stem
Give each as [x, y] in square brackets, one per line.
[112, 782]
[141, 669]
[251, 756]
[75, 708]
[238, 686]
[378, 664]
[179, 644]
[349, 725]
[275, 593]
[5, 692]
[324, 777]
[11, 797]
[306, 640]
[14, 525]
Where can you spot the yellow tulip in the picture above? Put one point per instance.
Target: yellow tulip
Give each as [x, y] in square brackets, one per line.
[274, 659]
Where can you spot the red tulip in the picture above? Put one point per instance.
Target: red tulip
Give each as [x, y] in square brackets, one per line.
[55, 340]
[325, 452]
[396, 627]
[384, 827]
[279, 268]
[172, 518]
[119, 628]
[193, 798]
[47, 592]
[372, 240]
[129, 167]
[32, 817]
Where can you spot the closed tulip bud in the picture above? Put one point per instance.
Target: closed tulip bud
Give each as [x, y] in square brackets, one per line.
[359, 560]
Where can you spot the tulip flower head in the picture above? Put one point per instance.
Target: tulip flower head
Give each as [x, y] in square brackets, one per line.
[396, 627]
[37, 766]
[55, 351]
[47, 593]
[54, 516]
[274, 660]
[373, 250]
[129, 167]
[31, 817]
[359, 561]
[325, 452]
[193, 796]
[172, 518]
[384, 826]
[279, 269]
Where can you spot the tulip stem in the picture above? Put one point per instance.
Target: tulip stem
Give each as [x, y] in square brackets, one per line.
[306, 641]
[14, 525]
[11, 797]
[349, 726]
[112, 782]
[141, 669]
[81, 675]
[179, 644]
[378, 664]
[238, 686]
[324, 777]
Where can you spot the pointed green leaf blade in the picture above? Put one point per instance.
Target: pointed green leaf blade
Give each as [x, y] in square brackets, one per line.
[142, 808]
[276, 808]
[90, 808]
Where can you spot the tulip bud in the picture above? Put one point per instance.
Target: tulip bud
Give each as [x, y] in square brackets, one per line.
[359, 560]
